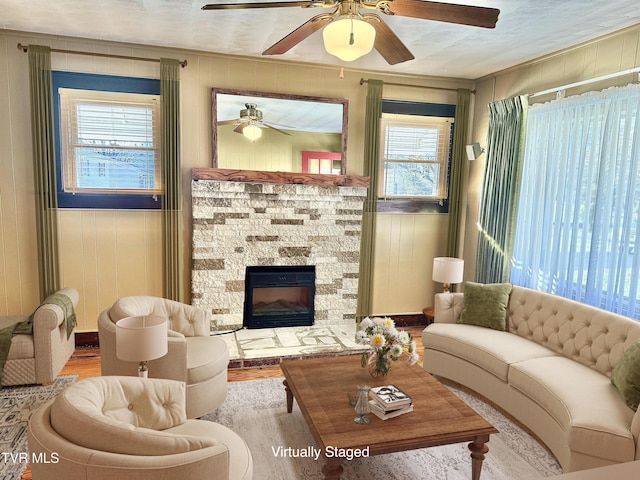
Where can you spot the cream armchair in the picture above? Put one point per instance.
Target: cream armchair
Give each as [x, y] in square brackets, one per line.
[39, 357]
[194, 356]
[128, 428]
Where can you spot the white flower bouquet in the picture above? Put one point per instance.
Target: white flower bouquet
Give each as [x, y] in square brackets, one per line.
[387, 344]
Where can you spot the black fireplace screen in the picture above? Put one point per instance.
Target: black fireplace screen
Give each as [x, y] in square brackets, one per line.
[279, 296]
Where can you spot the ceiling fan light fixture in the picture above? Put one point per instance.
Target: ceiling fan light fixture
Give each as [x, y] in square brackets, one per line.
[349, 38]
[252, 132]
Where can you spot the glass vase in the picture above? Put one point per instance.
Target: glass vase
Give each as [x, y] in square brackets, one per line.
[379, 365]
[362, 405]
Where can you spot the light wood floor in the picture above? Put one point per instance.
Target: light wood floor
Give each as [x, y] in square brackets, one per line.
[86, 363]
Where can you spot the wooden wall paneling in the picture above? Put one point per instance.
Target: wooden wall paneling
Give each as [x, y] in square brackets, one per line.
[89, 304]
[107, 263]
[7, 193]
[406, 256]
[405, 248]
[153, 253]
[609, 56]
[130, 243]
[382, 264]
[72, 253]
[17, 205]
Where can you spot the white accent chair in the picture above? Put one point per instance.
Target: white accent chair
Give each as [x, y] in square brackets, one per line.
[194, 356]
[128, 428]
[38, 358]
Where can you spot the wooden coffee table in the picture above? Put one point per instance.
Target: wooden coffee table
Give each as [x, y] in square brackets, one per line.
[320, 387]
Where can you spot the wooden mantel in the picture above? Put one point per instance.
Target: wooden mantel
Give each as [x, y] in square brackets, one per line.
[258, 176]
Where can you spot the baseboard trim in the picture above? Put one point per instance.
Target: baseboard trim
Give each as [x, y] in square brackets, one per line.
[409, 320]
[87, 339]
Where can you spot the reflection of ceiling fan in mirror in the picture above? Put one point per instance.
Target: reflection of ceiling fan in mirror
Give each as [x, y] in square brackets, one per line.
[250, 122]
[350, 33]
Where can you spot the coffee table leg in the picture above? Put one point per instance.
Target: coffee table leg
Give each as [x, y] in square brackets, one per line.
[332, 469]
[478, 451]
[289, 396]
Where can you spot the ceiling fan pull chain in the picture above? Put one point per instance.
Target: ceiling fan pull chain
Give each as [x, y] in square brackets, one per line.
[351, 39]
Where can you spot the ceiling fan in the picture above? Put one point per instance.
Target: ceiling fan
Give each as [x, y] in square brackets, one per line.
[250, 122]
[386, 42]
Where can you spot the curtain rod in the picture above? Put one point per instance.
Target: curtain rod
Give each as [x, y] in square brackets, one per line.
[364, 80]
[25, 48]
[586, 82]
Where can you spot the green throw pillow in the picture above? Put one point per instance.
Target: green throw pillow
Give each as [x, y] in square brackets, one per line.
[486, 305]
[625, 376]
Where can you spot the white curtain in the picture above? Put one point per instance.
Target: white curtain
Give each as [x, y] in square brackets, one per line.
[580, 200]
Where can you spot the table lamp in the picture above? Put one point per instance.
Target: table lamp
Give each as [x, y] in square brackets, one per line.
[140, 339]
[448, 270]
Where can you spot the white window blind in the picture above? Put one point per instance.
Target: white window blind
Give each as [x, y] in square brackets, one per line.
[415, 156]
[110, 142]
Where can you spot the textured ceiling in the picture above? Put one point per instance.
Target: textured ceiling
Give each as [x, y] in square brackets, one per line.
[526, 29]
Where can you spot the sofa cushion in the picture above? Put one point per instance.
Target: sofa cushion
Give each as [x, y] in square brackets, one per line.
[206, 358]
[626, 375]
[486, 305]
[583, 402]
[124, 415]
[21, 347]
[489, 349]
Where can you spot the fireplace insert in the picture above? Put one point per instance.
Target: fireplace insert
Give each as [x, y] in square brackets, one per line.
[279, 296]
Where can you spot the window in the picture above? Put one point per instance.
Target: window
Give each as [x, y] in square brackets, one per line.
[110, 142]
[415, 157]
[108, 147]
[580, 201]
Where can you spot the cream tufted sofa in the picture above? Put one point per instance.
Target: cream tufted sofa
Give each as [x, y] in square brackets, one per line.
[128, 428]
[550, 370]
[194, 356]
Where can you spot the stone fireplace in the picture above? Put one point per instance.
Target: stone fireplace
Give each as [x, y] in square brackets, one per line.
[249, 219]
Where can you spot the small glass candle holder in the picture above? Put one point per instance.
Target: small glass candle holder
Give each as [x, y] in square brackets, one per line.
[362, 405]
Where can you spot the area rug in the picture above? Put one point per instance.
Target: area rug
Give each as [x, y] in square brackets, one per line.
[16, 406]
[256, 410]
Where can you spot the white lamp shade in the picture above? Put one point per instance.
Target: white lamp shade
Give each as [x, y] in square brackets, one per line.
[252, 132]
[139, 339]
[338, 39]
[448, 270]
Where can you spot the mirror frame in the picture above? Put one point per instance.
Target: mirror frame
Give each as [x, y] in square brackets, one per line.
[285, 96]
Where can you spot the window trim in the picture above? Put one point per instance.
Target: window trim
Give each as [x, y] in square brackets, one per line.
[107, 83]
[444, 126]
[415, 204]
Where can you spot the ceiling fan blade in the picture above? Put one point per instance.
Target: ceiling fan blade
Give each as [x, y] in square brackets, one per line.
[445, 12]
[299, 34]
[276, 129]
[227, 122]
[240, 127]
[238, 6]
[387, 43]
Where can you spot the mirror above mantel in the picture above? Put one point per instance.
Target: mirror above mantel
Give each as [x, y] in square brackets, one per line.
[295, 133]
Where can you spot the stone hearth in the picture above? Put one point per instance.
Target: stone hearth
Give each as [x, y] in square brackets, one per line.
[269, 346]
[243, 219]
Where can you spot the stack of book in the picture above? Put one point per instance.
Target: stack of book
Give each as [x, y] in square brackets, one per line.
[389, 401]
